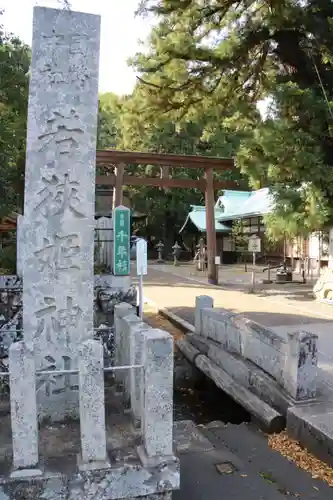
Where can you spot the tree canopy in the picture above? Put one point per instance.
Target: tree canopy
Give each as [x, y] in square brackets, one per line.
[225, 55]
[123, 121]
[205, 67]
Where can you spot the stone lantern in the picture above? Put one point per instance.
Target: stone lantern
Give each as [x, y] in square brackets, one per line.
[159, 247]
[176, 253]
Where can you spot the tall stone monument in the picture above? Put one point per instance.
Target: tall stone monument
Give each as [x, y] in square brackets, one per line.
[58, 232]
[57, 371]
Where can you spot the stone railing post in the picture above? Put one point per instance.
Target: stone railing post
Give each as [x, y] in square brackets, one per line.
[92, 405]
[132, 328]
[301, 360]
[137, 328]
[23, 403]
[158, 397]
[120, 311]
[201, 302]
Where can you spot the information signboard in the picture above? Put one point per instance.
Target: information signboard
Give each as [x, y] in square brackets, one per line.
[122, 240]
[254, 244]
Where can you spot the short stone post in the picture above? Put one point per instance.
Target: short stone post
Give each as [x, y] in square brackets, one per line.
[134, 330]
[92, 407]
[132, 325]
[120, 311]
[201, 302]
[23, 406]
[136, 374]
[300, 379]
[158, 397]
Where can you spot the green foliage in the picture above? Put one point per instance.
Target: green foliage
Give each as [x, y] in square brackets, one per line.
[124, 121]
[8, 256]
[108, 135]
[14, 67]
[225, 55]
[240, 238]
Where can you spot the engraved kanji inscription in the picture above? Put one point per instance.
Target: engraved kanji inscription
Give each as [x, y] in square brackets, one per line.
[52, 321]
[58, 196]
[59, 253]
[66, 58]
[74, 43]
[63, 131]
[57, 383]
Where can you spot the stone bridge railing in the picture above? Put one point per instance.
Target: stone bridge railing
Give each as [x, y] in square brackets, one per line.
[290, 361]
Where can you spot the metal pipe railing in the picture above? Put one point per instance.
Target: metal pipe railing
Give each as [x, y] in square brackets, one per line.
[19, 330]
[75, 372]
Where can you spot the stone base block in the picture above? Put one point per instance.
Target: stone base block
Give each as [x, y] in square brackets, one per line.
[312, 426]
[154, 461]
[62, 476]
[26, 473]
[91, 466]
[129, 481]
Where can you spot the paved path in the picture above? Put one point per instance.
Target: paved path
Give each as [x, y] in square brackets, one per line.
[236, 277]
[283, 313]
[249, 468]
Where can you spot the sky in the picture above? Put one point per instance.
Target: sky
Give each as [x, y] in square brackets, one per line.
[120, 32]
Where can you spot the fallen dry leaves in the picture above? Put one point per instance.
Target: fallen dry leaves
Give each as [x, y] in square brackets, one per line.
[293, 451]
[158, 321]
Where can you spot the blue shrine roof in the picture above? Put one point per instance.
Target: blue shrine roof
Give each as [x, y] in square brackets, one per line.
[232, 205]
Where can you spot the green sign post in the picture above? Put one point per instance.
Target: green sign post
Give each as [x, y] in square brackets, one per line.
[121, 244]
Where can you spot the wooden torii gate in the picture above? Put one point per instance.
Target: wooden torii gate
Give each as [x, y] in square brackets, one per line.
[114, 162]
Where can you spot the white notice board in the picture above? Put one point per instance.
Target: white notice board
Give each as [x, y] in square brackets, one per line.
[141, 257]
[254, 244]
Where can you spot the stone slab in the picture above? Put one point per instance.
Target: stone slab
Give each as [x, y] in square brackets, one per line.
[216, 325]
[312, 426]
[245, 373]
[26, 474]
[127, 481]
[236, 334]
[187, 438]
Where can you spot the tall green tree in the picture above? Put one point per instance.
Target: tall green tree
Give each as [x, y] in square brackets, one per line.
[109, 134]
[228, 54]
[14, 67]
